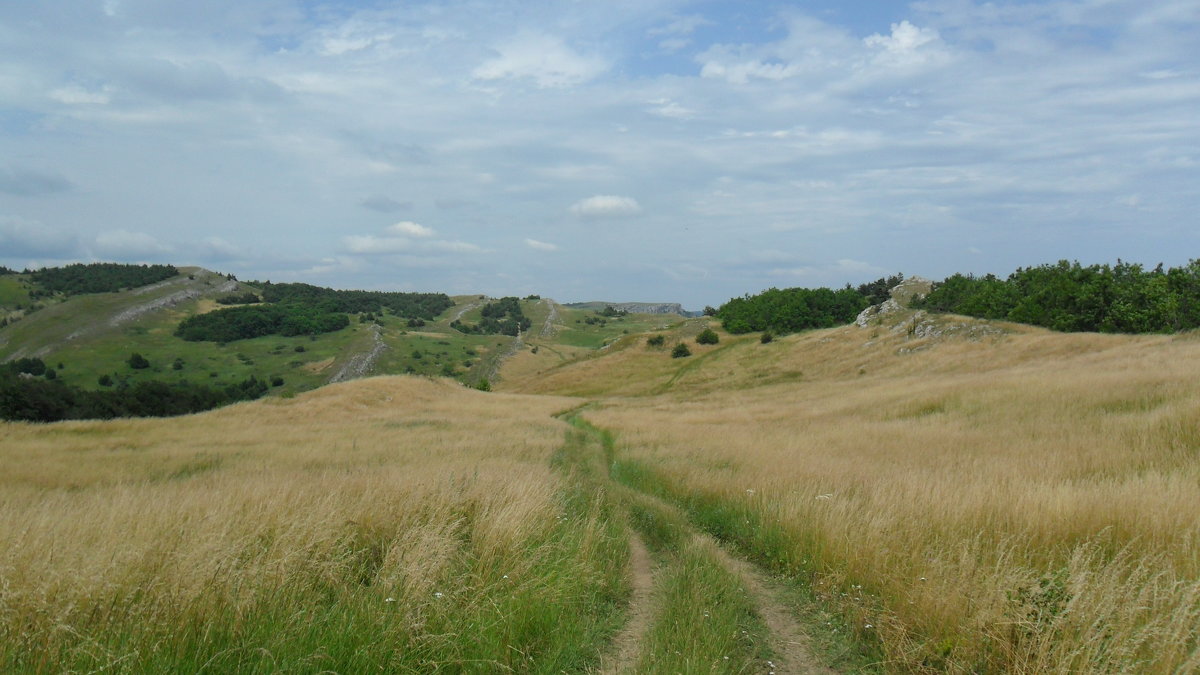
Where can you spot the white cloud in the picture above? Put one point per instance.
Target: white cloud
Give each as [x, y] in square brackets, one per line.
[838, 272]
[372, 245]
[410, 229]
[216, 248]
[907, 45]
[74, 94]
[125, 245]
[545, 59]
[665, 107]
[540, 245]
[601, 206]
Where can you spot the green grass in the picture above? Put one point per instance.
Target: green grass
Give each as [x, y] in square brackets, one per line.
[705, 621]
[13, 291]
[578, 333]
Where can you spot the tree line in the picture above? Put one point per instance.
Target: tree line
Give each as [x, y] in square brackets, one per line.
[790, 310]
[30, 399]
[1067, 296]
[411, 305]
[503, 316]
[80, 278]
[252, 321]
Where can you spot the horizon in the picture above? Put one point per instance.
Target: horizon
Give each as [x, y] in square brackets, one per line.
[665, 151]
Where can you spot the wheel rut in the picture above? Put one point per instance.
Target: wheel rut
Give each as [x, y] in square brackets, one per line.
[626, 646]
[788, 643]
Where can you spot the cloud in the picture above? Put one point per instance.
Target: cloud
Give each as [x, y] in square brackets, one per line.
[384, 204]
[835, 273]
[216, 248]
[907, 45]
[76, 95]
[665, 107]
[540, 245]
[606, 206]
[408, 228]
[126, 245]
[372, 245]
[32, 183]
[545, 59]
[20, 238]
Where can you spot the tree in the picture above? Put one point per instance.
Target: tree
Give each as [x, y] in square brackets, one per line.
[707, 337]
[138, 362]
[681, 350]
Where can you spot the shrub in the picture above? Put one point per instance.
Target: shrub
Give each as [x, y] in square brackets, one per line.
[105, 381]
[681, 350]
[767, 336]
[137, 361]
[483, 385]
[277, 381]
[707, 337]
[656, 340]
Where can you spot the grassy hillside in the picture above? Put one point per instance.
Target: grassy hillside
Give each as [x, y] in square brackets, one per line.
[974, 496]
[932, 493]
[93, 336]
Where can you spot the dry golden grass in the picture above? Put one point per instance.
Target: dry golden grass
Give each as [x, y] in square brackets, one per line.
[419, 491]
[1026, 502]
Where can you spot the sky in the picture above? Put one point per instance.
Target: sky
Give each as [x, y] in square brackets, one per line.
[620, 150]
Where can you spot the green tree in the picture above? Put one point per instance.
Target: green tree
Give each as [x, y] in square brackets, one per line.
[707, 337]
[137, 361]
[680, 351]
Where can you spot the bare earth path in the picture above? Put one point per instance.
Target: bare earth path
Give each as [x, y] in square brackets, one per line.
[362, 363]
[788, 640]
[548, 328]
[627, 644]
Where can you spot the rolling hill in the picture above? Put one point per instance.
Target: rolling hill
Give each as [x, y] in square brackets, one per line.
[914, 492]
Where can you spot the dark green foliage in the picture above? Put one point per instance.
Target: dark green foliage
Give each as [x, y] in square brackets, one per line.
[247, 298]
[51, 374]
[879, 291]
[276, 381]
[177, 365]
[242, 323]
[36, 400]
[767, 337]
[611, 311]
[5, 271]
[416, 323]
[709, 310]
[791, 309]
[33, 366]
[1123, 298]
[417, 305]
[681, 350]
[483, 385]
[707, 337]
[100, 277]
[656, 340]
[503, 316]
[105, 381]
[299, 349]
[137, 361]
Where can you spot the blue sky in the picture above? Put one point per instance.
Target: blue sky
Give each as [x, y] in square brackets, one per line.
[656, 150]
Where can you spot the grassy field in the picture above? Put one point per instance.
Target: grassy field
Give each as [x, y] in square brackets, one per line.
[368, 526]
[1024, 502]
[919, 495]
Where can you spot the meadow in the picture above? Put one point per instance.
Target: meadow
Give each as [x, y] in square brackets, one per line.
[365, 526]
[924, 494]
[1024, 502]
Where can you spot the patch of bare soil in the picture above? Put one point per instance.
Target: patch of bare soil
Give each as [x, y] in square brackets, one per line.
[625, 647]
[788, 640]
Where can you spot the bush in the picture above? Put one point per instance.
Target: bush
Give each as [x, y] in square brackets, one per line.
[681, 350]
[138, 362]
[105, 381]
[483, 385]
[767, 336]
[707, 337]
[656, 340]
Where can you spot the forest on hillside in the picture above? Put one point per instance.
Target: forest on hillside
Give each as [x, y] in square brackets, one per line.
[82, 278]
[1066, 296]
